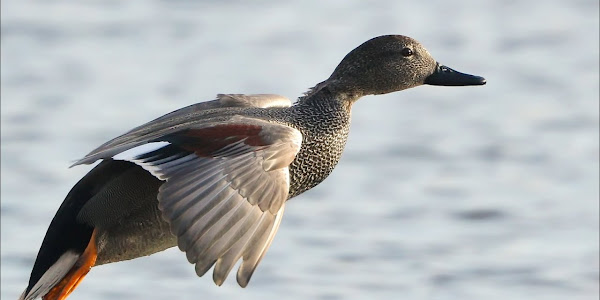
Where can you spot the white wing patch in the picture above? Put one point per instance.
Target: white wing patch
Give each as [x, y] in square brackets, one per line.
[139, 150]
[133, 153]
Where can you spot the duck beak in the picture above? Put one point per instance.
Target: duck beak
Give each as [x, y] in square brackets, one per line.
[448, 77]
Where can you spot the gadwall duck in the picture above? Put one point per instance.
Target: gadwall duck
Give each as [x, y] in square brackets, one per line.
[213, 178]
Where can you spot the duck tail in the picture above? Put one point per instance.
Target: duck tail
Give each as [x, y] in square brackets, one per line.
[69, 247]
[57, 278]
[60, 266]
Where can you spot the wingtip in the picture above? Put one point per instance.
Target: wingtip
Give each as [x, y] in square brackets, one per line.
[243, 278]
[81, 161]
[242, 282]
[218, 280]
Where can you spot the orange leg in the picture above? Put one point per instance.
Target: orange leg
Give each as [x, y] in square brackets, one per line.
[83, 265]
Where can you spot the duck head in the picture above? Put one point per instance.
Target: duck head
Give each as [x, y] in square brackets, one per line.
[392, 63]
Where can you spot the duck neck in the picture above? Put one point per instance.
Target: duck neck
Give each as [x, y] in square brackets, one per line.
[326, 95]
[323, 118]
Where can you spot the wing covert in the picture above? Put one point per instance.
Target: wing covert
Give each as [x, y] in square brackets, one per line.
[198, 114]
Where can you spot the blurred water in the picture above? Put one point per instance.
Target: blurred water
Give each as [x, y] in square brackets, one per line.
[443, 193]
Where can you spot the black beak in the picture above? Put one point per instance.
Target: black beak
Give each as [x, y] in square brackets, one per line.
[448, 77]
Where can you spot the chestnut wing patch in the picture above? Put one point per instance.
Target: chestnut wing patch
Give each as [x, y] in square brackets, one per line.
[207, 142]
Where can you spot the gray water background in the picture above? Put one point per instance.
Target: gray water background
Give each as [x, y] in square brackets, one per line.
[443, 193]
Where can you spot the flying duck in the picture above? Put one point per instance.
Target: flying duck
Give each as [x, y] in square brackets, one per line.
[213, 178]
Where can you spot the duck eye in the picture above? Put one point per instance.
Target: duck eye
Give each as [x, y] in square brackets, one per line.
[406, 52]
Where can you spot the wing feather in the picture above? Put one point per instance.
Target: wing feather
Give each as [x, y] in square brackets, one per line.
[256, 248]
[203, 223]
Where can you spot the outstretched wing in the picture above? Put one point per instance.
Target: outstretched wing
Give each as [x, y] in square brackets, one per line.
[226, 186]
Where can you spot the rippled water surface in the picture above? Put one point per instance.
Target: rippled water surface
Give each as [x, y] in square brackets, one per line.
[443, 193]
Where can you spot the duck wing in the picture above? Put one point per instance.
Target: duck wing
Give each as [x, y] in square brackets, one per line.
[226, 183]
